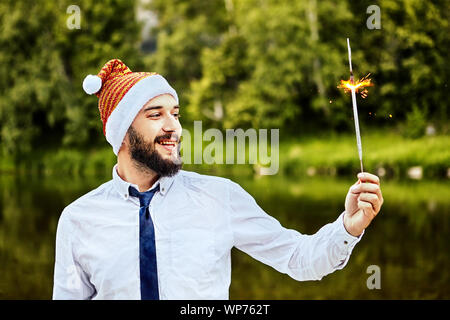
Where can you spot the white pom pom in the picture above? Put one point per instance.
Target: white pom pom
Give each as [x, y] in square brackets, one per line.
[92, 84]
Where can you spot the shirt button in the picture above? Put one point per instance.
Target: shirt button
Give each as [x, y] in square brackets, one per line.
[345, 242]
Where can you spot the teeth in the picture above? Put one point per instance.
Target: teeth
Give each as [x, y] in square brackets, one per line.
[167, 142]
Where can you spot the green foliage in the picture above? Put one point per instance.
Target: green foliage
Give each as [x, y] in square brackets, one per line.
[234, 63]
[74, 163]
[277, 63]
[43, 64]
[415, 123]
[408, 58]
[184, 30]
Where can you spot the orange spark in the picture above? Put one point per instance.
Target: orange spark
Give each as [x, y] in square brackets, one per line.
[361, 84]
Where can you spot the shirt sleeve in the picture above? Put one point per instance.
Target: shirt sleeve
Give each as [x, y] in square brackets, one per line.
[303, 257]
[70, 280]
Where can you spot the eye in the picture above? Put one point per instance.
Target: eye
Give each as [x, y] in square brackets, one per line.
[176, 115]
[154, 115]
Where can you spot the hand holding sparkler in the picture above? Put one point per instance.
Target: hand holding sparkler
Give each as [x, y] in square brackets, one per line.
[362, 204]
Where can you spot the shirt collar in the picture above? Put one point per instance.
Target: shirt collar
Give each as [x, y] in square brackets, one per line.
[122, 185]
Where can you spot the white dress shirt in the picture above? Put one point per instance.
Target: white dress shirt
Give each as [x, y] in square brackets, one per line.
[197, 219]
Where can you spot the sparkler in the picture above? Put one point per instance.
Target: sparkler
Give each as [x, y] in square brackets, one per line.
[351, 86]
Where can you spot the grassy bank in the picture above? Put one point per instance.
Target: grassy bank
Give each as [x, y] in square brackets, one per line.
[387, 154]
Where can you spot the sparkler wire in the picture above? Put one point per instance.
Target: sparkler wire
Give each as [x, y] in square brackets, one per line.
[355, 108]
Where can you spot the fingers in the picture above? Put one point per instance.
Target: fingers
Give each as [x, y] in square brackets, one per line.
[372, 199]
[367, 188]
[367, 209]
[354, 185]
[368, 177]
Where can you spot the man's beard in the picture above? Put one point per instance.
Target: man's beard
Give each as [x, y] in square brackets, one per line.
[146, 157]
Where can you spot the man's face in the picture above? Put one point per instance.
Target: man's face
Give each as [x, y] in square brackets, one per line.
[153, 138]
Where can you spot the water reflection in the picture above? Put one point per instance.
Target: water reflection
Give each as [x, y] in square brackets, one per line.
[409, 241]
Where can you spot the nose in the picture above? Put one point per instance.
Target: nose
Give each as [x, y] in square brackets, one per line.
[170, 124]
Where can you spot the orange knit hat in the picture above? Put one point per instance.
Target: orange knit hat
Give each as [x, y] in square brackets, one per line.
[121, 95]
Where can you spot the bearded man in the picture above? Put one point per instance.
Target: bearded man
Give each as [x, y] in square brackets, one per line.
[158, 232]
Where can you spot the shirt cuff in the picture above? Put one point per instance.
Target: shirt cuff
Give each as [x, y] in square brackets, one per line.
[344, 241]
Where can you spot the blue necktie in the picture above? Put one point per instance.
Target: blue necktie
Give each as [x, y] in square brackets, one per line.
[147, 248]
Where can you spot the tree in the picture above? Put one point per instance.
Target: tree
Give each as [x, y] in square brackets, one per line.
[185, 28]
[43, 63]
[409, 55]
[274, 66]
[277, 63]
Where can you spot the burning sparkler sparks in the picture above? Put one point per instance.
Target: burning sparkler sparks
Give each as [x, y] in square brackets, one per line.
[358, 86]
[355, 87]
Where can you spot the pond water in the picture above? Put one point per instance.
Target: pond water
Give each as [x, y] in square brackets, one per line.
[408, 241]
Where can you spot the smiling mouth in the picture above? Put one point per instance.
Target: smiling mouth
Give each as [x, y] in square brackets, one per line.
[168, 144]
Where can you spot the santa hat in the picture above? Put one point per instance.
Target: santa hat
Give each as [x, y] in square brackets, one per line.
[121, 95]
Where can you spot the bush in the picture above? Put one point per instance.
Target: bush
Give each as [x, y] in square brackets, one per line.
[415, 124]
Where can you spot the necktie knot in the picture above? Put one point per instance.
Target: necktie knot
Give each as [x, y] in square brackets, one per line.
[144, 197]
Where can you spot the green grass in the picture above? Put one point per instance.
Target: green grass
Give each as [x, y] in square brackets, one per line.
[391, 151]
[327, 155]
